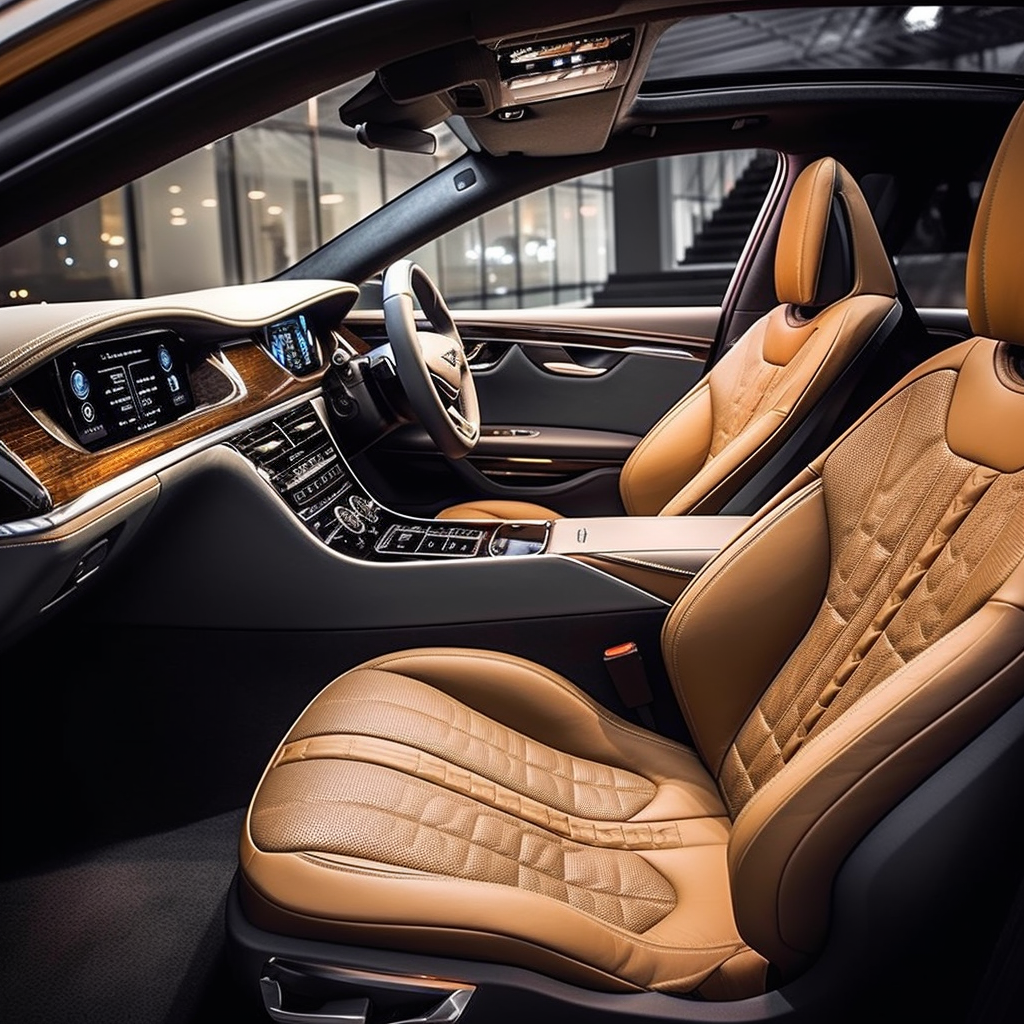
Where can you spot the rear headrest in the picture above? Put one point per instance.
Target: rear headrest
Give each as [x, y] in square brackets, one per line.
[995, 277]
[829, 246]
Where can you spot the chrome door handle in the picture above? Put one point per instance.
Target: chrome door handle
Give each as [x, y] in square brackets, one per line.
[574, 369]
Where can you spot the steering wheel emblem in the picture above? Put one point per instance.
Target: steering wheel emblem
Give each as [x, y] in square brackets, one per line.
[451, 357]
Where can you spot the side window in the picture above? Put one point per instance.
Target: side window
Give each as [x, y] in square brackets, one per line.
[663, 232]
[933, 259]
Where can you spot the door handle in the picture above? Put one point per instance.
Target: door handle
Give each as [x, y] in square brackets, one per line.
[574, 369]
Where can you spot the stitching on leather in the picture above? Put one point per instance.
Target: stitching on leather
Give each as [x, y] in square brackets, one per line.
[681, 612]
[633, 938]
[606, 786]
[851, 719]
[990, 191]
[30, 353]
[571, 820]
[565, 846]
[655, 566]
[630, 468]
[564, 685]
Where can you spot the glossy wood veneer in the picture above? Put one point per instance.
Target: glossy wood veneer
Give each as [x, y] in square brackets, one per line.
[68, 471]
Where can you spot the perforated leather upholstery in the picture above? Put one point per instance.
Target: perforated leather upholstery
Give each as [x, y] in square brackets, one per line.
[702, 451]
[865, 625]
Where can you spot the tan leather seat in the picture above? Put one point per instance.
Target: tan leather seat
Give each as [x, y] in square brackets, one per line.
[835, 288]
[865, 626]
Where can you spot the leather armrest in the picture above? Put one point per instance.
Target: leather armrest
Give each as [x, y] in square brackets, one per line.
[659, 554]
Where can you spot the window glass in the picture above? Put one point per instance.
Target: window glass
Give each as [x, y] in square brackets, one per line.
[932, 262]
[664, 232]
[179, 225]
[239, 210]
[966, 38]
[86, 254]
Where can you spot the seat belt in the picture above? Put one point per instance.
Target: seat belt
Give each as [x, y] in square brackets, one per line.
[626, 669]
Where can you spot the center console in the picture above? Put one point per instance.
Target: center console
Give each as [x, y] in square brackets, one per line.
[296, 454]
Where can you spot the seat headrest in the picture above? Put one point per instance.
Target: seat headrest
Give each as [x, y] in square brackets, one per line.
[829, 246]
[995, 280]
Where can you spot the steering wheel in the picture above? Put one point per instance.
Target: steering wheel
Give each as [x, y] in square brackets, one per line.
[432, 364]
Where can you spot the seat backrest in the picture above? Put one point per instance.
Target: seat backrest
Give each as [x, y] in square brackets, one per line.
[870, 620]
[835, 288]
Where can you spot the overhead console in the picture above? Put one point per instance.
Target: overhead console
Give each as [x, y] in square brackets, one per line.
[531, 95]
[535, 71]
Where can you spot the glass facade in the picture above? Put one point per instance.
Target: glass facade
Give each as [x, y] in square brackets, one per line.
[248, 206]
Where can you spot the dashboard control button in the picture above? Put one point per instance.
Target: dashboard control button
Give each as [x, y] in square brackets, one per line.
[349, 519]
[432, 544]
[364, 507]
[79, 384]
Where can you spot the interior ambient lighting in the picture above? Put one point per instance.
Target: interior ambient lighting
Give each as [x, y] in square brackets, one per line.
[113, 264]
[69, 261]
[116, 240]
[177, 211]
[331, 199]
[105, 237]
[62, 239]
[275, 211]
[174, 189]
[209, 203]
[922, 19]
[22, 293]
[257, 194]
[179, 222]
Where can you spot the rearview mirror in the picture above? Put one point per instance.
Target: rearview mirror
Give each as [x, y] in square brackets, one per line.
[405, 140]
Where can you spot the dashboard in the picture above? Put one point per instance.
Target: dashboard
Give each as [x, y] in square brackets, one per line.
[102, 404]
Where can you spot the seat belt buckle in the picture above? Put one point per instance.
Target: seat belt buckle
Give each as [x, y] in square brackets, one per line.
[626, 668]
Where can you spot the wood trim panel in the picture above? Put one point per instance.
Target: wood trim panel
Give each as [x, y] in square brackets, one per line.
[68, 471]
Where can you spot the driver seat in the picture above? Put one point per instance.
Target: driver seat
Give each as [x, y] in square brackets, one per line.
[835, 288]
[858, 633]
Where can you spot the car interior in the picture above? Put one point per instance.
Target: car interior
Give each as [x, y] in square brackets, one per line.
[376, 659]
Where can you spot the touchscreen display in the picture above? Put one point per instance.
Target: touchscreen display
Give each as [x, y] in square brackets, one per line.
[292, 346]
[118, 388]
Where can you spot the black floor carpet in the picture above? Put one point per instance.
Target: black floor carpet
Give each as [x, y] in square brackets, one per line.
[130, 933]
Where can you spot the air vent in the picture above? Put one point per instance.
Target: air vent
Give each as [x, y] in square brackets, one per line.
[468, 97]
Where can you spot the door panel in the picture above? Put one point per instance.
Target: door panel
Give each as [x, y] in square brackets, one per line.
[565, 395]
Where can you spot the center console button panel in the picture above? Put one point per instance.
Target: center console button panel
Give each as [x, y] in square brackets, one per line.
[297, 455]
[432, 541]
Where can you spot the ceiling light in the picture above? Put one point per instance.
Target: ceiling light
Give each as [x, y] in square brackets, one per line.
[62, 239]
[922, 19]
[179, 222]
[275, 211]
[13, 293]
[22, 293]
[174, 189]
[113, 264]
[257, 194]
[331, 199]
[116, 240]
[177, 211]
[209, 203]
[105, 237]
[69, 261]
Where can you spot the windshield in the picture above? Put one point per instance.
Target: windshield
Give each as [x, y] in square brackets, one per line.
[238, 210]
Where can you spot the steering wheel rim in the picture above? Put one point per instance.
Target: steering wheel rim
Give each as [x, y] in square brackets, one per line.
[431, 365]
